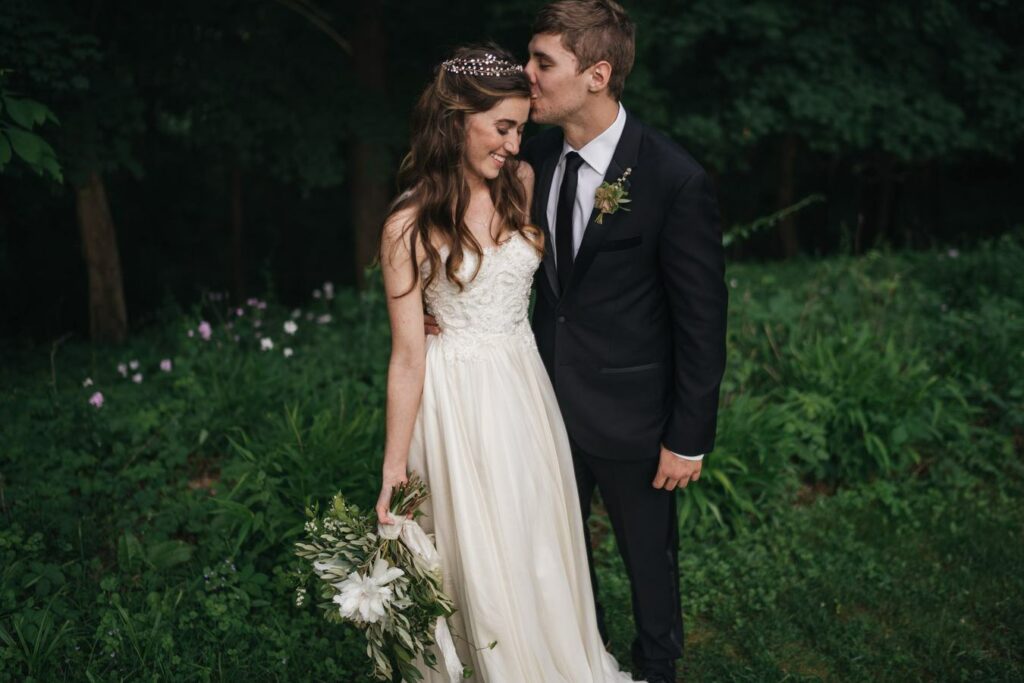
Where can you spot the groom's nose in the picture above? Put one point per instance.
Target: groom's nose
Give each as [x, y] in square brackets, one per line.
[530, 75]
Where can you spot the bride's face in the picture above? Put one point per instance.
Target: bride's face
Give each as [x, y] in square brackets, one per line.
[493, 136]
[557, 90]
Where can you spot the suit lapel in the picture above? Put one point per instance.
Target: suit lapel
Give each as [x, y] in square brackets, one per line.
[625, 157]
[541, 193]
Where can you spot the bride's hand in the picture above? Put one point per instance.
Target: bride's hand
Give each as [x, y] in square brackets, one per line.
[390, 481]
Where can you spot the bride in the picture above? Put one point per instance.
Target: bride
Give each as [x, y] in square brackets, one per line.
[472, 410]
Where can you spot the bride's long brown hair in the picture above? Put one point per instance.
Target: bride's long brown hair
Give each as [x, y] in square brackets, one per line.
[432, 179]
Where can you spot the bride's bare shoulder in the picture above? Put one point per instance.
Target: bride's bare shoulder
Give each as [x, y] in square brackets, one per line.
[399, 234]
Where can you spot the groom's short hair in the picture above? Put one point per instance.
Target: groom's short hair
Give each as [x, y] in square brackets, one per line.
[593, 30]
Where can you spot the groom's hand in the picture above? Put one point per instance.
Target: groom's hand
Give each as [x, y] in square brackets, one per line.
[430, 325]
[674, 471]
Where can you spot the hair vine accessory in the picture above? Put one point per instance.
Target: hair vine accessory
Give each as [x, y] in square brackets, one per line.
[486, 66]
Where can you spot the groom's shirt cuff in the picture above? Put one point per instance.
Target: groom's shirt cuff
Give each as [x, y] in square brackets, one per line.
[688, 457]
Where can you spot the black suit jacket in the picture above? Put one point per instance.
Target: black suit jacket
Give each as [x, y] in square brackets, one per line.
[635, 345]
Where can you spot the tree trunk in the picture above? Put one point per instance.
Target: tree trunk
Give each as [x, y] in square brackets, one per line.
[368, 173]
[108, 319]
[787, 183]
[235, 256]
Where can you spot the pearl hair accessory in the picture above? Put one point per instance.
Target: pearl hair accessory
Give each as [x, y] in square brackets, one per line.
[487, 66]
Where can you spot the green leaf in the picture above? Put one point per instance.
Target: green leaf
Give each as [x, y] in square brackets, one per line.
[26, 145]
[169, 553]
[128, 550]
[25, 113]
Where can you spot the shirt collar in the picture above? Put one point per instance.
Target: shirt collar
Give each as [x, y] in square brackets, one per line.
[598, 152]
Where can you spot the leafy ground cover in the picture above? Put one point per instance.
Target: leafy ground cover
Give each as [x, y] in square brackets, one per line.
[860, 518]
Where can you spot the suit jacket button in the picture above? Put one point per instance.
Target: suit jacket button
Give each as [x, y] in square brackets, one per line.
[561, 318]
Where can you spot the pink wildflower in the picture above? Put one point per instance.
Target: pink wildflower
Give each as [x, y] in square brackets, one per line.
[205, 331]
[96, 399]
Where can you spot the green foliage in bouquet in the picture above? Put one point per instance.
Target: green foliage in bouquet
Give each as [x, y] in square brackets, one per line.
[377, 584]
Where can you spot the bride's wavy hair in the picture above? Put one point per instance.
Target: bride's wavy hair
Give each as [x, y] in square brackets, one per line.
[431, 178]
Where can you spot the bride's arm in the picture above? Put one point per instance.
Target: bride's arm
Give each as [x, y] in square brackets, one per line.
[408, 353]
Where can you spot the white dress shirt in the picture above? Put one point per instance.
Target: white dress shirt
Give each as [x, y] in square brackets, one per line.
[597, 155]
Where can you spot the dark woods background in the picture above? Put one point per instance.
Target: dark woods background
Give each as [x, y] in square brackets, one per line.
[250, 146]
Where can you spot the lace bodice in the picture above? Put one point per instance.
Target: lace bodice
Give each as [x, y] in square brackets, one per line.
[492, 309]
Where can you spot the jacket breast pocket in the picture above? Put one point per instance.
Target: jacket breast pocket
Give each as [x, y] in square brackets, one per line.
[620, 244]
[631, 368]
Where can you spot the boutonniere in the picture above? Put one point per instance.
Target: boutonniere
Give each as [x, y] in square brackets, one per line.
[610, 197]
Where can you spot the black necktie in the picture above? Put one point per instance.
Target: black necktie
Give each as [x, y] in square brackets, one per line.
[563, 217]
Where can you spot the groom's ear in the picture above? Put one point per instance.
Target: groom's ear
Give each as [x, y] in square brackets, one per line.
[600, 75]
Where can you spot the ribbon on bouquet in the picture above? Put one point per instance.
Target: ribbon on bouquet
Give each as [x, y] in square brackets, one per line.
[418, 543]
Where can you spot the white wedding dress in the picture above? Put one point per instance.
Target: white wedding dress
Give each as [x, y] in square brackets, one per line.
[490, 442]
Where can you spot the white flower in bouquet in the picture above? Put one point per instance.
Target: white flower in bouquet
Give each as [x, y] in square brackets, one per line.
[367, 597]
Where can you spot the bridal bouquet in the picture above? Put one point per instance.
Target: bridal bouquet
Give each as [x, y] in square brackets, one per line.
[385, 580]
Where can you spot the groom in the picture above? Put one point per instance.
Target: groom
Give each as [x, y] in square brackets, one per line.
[631, 306]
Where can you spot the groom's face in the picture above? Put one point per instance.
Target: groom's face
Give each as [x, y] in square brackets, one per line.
[557, 90]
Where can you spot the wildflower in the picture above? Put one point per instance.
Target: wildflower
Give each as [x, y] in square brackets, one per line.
[328, 290]
[317, 294]
[96, 399]
[290, 327]
[288, 352]
[953, 253]
[191, 333]
[733, 283]
[296, 313]
[262, 305]
[239, 312]
[257, 323]
[165, 365]
[134, 364]
[87, 382]
[205, 331]
[324, 319]
[137, 378]
[252, 302]
[266, 344]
